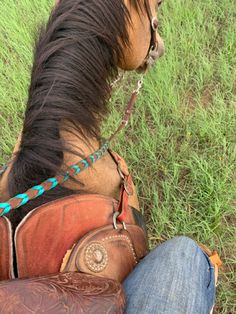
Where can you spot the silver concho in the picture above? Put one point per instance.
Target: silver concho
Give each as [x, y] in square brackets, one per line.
[96, 257]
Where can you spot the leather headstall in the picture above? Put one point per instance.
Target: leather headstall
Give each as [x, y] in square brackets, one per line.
[152, 54]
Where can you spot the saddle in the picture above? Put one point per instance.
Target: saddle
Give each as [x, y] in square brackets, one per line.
[72, 254]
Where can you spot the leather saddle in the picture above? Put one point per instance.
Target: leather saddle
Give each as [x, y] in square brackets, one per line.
[72, 255]
[62, 293]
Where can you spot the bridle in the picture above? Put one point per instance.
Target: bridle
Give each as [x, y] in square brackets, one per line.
[152, 54]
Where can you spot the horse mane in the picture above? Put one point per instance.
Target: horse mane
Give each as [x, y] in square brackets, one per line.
[75, 59]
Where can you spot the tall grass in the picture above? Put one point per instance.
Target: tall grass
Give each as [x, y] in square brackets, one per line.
[181, 141]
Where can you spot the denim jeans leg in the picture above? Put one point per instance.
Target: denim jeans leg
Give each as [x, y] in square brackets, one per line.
[175, 278]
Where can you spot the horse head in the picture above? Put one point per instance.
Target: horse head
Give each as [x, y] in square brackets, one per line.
[145, 43]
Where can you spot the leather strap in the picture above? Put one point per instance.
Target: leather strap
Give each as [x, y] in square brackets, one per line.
[128, 110]
[126, 189]
[153, 47]
[154, 26]
[213, 255]
[214, 258]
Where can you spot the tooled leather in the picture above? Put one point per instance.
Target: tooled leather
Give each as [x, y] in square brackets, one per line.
[44, 236]
[5, 249]
[109, 253]
[67, 293]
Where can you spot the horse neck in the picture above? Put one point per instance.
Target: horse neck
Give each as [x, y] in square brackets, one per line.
[70, 82]
[48, 135]
[79, 146]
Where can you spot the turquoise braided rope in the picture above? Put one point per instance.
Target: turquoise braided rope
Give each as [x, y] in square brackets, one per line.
[7, 207]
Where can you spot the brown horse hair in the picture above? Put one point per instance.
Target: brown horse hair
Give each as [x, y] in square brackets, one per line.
[75, 59]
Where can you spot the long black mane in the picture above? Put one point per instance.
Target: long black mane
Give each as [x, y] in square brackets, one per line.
[75, 59]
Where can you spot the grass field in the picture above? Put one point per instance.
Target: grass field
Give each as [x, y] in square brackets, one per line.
[181, 142]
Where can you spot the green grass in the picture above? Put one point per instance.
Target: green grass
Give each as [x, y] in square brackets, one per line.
[181, 141]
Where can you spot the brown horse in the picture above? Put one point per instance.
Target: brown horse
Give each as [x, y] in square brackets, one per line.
[77, 55]
[76, 58]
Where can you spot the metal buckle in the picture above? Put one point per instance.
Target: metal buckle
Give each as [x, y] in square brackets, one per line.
[115, 216]
[139, 85]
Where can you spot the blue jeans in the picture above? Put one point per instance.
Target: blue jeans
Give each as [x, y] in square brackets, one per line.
[175, 278]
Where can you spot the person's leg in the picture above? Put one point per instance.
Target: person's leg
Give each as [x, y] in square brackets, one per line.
[175, 278]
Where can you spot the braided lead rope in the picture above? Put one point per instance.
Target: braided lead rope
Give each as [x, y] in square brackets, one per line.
[34, 192]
